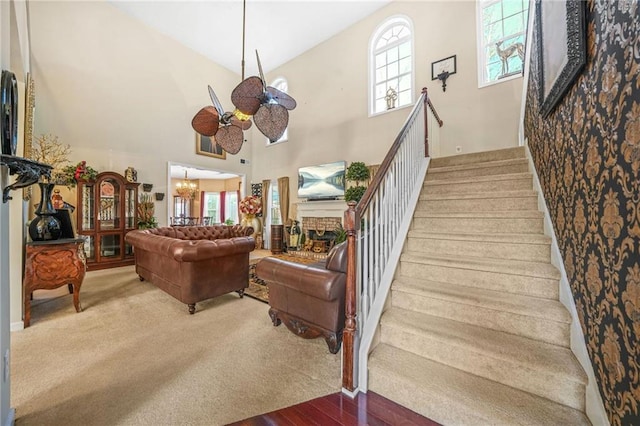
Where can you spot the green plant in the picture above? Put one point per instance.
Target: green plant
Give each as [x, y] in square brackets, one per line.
[70, 174]
[229, 222]
[146, 209]
[356, 172]
[354, 193]
[340, 234]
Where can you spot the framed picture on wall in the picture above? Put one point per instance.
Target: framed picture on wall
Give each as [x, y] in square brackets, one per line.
[208, 146]
[562, 49]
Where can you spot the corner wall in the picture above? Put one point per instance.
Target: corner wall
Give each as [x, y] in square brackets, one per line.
[587, 156]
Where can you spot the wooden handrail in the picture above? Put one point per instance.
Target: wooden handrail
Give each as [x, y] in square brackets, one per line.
[352, 221]
[435, 113]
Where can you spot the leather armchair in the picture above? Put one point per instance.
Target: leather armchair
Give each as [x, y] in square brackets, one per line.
[308, 299]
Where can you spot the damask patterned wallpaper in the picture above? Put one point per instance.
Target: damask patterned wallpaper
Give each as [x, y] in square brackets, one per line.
[587, 155]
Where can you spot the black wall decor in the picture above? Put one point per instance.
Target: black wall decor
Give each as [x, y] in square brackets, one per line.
[587, 156]
[9, 112]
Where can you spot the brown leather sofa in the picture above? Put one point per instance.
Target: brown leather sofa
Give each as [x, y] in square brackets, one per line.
[309, 299]
[194, 263]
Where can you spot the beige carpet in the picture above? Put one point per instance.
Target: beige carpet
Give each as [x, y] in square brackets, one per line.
[136, 357]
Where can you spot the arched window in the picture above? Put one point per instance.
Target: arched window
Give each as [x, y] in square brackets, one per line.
[391, 65]
[281, 84]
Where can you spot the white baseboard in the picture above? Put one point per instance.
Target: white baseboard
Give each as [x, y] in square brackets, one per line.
[594, 407]
[17, 326]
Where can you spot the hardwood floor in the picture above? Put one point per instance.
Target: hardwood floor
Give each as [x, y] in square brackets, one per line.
[339, 409]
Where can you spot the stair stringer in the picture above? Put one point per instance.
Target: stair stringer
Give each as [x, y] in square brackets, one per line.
[371, 323]
[594, 407]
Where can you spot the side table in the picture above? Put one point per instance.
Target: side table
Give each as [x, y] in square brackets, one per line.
[52, 264]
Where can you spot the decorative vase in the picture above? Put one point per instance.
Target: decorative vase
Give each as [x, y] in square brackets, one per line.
[252, 221]
[45, 227]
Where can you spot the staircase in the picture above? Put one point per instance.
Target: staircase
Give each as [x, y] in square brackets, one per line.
[475, 333]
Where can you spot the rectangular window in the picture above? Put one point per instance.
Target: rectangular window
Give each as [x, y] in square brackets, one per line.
[275, 204]
[211, 206]
[231, 206]
[502, 28]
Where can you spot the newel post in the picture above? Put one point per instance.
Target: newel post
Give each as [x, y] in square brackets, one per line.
[348, 336]
[426, 121]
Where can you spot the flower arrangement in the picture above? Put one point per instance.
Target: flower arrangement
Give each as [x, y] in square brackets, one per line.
[146, 210]
[251, 204]
[69, 175]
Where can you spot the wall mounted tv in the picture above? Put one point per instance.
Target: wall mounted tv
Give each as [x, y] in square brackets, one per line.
[322, 182]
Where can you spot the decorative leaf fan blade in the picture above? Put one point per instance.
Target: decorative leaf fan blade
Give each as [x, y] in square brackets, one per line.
[215, 101]
[206, 121]
[272, 120]
[281, 98]
[264, 82]
[230, 138]
[248, 95]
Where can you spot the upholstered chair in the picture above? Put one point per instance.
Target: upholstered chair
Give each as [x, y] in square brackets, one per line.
[308, 299]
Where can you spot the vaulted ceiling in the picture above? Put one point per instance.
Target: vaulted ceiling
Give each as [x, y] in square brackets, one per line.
[279, 29]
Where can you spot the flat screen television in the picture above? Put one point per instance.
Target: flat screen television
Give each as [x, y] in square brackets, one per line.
[322, 182]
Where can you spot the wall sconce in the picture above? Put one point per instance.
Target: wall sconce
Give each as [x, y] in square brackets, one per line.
[443, 77]
[443, 69]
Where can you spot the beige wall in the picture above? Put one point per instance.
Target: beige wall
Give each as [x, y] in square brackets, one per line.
[330, 84]
[120, 93]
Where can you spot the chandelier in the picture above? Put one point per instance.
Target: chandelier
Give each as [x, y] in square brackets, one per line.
[186, 189]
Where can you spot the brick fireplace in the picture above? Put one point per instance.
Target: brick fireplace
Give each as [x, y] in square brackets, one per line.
[318, 219]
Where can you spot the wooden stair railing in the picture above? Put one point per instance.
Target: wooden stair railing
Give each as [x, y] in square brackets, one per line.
[374, 226]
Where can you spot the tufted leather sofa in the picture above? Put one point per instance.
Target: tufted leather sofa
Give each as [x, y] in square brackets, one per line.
[309, 299]
[194, 263]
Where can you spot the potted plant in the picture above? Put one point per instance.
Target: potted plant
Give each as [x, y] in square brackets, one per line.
[146, 208]
[356, 172]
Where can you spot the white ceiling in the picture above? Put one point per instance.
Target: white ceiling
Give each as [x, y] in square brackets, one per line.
[177, 172]
[279, 29]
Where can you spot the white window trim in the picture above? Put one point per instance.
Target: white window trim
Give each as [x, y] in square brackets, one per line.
[384, 25]
[480, 47]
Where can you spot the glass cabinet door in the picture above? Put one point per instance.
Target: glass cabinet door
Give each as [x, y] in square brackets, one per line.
[88, 204]
[130, 214]
[109, 209]
[110, 246]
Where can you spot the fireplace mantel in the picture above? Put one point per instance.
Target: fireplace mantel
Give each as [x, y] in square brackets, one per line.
[320, 209]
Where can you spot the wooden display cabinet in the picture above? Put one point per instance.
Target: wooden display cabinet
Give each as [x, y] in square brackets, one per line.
[106, 210]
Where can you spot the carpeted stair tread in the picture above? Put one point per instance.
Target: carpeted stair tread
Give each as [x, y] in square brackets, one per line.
[489, 168]
[453, 397]
[503, 266]
[480, 165]
[525, 193]
[534, 307]
[536, 355]
[471, 179]
[516, 214]
[528, 316]
[478, 157]
[490, 238]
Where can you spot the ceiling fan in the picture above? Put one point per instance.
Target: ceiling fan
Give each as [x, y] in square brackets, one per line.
[268, 106]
